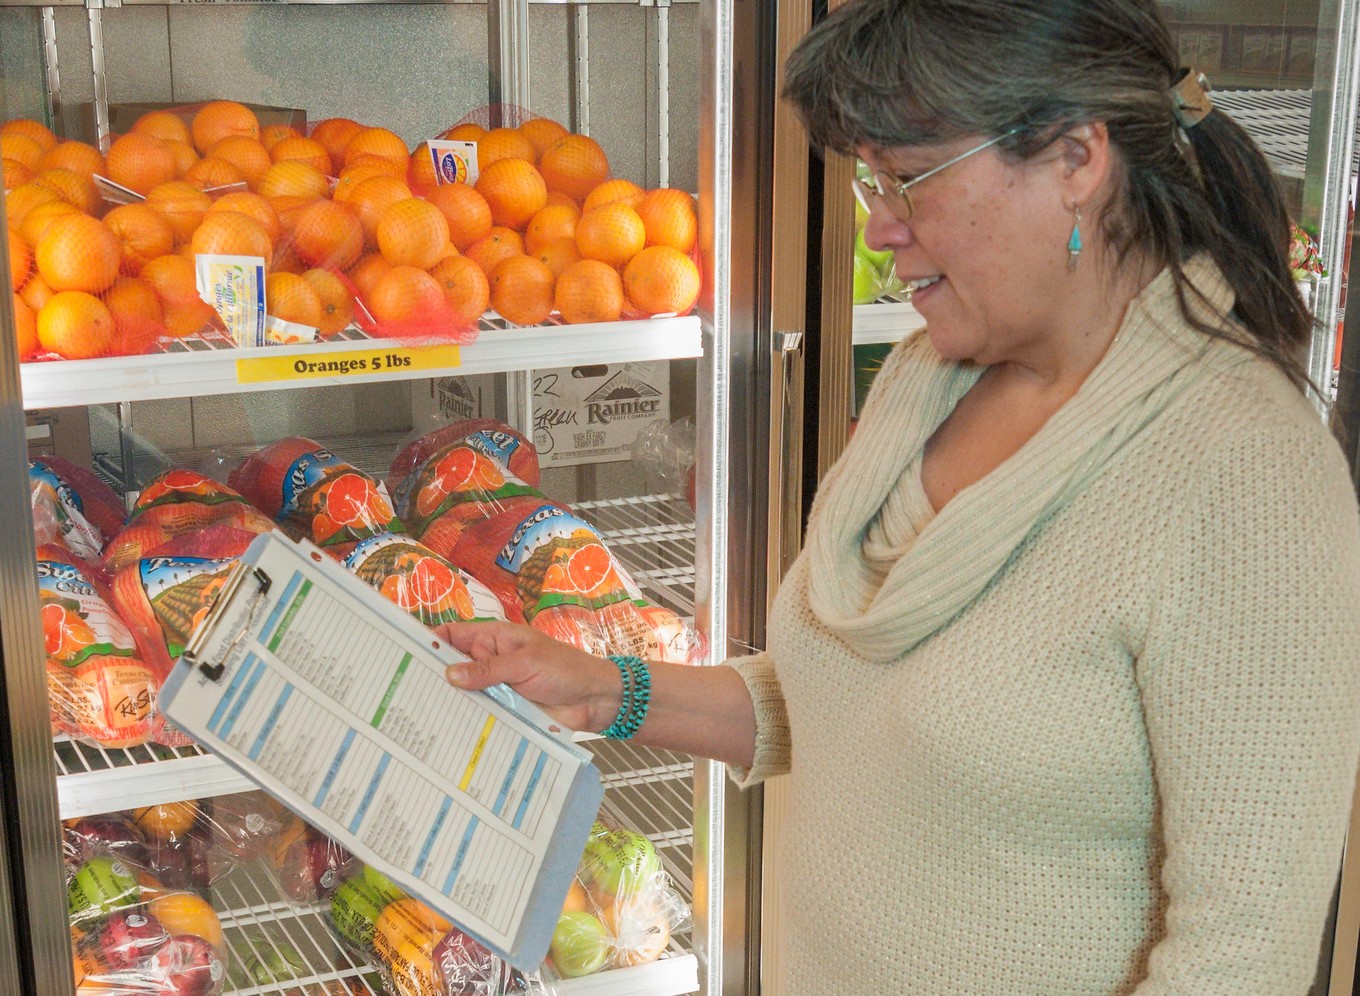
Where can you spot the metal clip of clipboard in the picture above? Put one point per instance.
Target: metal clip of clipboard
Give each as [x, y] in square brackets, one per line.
[214, 671]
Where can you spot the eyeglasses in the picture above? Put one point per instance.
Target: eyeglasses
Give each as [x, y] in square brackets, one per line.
[894, 191]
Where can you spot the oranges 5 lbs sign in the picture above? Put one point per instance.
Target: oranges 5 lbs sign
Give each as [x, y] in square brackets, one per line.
[347, 363]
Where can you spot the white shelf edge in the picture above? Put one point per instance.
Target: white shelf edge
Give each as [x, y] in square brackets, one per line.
[66, 383]
[667, 977]
[88, 793]
[888, 322]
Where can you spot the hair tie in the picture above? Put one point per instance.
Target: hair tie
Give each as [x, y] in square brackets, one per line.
[1190, 98]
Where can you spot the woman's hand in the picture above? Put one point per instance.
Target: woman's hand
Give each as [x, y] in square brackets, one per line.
[577, 689]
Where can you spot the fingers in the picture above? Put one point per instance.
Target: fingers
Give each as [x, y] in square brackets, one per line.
[483, 639]
[475, 674]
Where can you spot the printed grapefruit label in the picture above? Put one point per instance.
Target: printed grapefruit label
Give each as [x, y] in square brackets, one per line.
[558, 559]
[334, 501]
[181, 591]
[77, 622]
[72, 527]
[422, 583]
[175, 486]
[454, 475]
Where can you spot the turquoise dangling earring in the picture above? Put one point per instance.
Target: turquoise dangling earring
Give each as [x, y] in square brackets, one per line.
[1074, 241]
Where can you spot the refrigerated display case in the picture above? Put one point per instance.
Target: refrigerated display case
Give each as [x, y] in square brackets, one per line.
[653, 83]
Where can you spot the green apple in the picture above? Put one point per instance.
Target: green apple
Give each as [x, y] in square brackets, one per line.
[102, 885]
[868, 282]
[619, 862]
[355, 909]
[580, 945]
[387, 890]
[881, 258]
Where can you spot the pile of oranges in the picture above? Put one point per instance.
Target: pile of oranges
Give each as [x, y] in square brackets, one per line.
[353, 225]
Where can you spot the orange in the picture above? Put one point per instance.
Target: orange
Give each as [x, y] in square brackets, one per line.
[186, 156]
[468, 131]
[467, 212]
[337, 303]
[292, 299]
[574, 165]
[186, 913]
[78, 157]
[165, 125]
[614, 190]
[351, 176]
[25, 328]
[365, 273]
[29, 128]
[231, 233]
[577, 901]
[14, 173]
[514, 190]
[140, 162]
[411, 232]
[25, 197]
[182, 205]
[405, 293]
[304, 150]
[467, 292]
[377, 142]
[246, 154]
[272, 135]
[137, 313]
[77, 253]
[252, 204]
[639, 931]
[76, 325]
[613, 234]
[328, 234]
[522, 290]
[35, 292]
[73, 188]
[172, 278]
[21, 149]
[166, 821]
[541, 133]
[421, 169]
[40, 218]
[293, 178]
[334, 134]
[20, 258]
[669, 219]
[377, 164]
[407, 921]
[661, 280]
[557, 197]
[589, 291]
[217, 119]
[503, 143]
[371, 197]
[142, 235]
[412, 967]
[556, 221]
[500, 243]
[210, 173]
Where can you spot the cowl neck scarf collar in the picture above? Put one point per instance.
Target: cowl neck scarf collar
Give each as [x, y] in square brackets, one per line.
[1149, 364]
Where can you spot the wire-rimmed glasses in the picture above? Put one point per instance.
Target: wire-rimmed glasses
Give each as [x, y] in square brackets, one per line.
[894, 191]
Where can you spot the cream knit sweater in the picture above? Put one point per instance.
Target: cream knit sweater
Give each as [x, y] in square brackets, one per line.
[1096, 730]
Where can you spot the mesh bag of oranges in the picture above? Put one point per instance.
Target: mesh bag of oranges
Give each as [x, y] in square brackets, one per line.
[552, 567]
[315, 495]
[138, 920]
[416, 950]
[620, 911]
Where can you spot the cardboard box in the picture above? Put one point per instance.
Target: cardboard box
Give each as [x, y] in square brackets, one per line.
[592, 414]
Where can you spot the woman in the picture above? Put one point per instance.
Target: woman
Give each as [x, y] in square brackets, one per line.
[1065, 678]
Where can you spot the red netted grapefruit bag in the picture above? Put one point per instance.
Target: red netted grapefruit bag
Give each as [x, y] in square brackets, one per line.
[313, 494]
[72, 506]
[488, 436]
[174, 503]
[101, 691]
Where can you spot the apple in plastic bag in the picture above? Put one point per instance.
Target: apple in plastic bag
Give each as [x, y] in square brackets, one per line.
[619, 862]
[355, 908]
[186, 965]
[868, 282]
[465, 967]
[130, 937]
[312, 866]
[101, 886]
[244, 824]
[580, 945]
[110, 836]
[881, 258]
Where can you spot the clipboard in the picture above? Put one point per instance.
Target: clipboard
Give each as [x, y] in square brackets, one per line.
[334, 702]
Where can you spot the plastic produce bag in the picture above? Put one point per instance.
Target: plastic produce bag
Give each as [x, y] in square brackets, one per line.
[72, 506]
[418, 580]
[307, 865]
[621, 910]
[488, 435]
[315, 495]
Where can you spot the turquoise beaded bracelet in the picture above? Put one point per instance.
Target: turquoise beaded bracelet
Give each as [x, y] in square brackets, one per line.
[637, 695]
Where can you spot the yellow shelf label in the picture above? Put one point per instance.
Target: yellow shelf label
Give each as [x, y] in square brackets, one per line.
[378, 358]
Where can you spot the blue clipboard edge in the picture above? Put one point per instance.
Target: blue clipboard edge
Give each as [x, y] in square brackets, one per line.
[567, 844]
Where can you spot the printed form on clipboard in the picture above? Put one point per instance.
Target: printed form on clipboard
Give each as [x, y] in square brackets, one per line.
[334, 702]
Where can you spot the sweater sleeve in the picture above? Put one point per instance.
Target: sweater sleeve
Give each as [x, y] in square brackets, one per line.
[1250, 683]
[774, 748]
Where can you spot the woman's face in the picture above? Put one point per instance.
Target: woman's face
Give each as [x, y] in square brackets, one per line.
[985, 247]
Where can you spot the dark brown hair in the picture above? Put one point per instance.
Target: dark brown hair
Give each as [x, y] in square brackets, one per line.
[910, 72]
